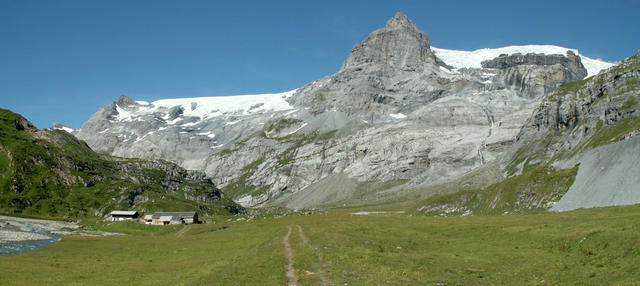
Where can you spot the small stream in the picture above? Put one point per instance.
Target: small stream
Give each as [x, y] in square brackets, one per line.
[43, 237]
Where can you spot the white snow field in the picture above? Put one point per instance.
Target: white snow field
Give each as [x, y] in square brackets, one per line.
[473, 59]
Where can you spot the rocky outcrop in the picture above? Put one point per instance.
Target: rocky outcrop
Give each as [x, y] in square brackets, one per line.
[392, 68]
[399, 46]
[394, 111]
[551, 72]
[571, 61]
[580, 110]
[591, 124]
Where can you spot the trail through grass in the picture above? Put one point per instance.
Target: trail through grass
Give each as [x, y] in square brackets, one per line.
[289, 260]
[334, 247]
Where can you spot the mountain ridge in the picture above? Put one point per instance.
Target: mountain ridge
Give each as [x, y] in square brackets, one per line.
[394, 111]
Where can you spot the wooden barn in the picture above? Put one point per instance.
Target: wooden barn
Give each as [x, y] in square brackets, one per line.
[122, 215]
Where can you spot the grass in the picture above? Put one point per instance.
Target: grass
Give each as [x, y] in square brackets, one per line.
[612, 133]
[629, 86]
[572, 87]
[367, 194]
[531, 155]
[630, 103]
[528, 192]
[592, 246]
[282, 124]
[628, 64]
[227, 151]
[239, 186]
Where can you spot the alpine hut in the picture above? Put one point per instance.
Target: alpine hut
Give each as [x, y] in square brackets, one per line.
[122, 215]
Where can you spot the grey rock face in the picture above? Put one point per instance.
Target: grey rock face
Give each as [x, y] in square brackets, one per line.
[124, 100]
[393, 111]
[576, 112]
[399, 46]
[571, 61]
[551, 72]
[592, 123]
[393, 68]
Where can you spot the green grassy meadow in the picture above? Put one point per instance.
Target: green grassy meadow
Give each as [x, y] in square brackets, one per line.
[584, 247]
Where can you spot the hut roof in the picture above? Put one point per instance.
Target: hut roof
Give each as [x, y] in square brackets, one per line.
[177, 215]
[126, 213]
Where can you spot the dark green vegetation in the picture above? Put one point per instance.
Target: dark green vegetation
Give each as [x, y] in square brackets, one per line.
[282, 124]
[51, 173]
[572, 87]
[584, 247]
[612, 133]
[529, 192]
[529, 156]
[239, 187]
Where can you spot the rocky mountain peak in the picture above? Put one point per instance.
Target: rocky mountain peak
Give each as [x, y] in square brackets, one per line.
[400, 45]
[124, 100]
[400, 20]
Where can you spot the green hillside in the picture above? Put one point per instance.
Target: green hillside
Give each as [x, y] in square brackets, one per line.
[51, 173]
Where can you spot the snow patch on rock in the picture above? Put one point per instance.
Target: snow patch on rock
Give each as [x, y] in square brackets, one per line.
[473, 59]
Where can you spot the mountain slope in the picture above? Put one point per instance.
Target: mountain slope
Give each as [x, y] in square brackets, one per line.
[50, 172]
[585, 123]
[395, 111]
[579, 149]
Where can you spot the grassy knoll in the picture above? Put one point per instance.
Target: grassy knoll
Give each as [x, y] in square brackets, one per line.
[594, 246]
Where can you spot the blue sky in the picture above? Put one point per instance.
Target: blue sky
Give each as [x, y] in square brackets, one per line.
[62, 60]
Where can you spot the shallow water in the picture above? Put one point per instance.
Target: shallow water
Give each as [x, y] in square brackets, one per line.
[17, 247]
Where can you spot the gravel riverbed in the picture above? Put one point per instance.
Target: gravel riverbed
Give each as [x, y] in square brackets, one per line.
[19, 235]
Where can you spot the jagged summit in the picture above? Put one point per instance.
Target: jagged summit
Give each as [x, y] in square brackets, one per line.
[124, 100]
[400, 20]
[400, 45]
